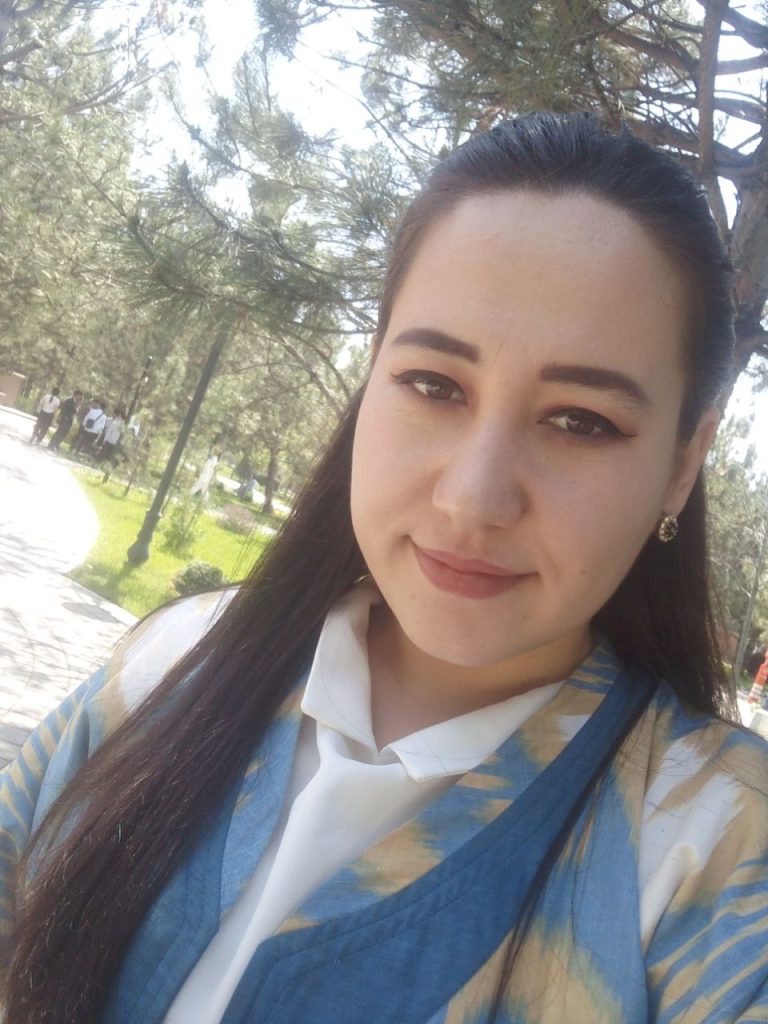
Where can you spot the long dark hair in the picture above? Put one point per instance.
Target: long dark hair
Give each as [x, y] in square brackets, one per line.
[140, 802]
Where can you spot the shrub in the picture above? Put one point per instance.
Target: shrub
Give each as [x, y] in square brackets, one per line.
[181, 528]
[197, 577]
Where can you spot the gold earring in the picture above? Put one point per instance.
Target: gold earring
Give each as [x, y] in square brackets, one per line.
[667, 528]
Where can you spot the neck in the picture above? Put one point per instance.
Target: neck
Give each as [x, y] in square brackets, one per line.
[411, 690]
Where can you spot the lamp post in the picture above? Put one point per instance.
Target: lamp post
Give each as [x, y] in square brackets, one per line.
[138, 552]
[142, 380]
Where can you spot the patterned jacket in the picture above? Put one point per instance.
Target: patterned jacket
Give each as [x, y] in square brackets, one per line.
[656, 911]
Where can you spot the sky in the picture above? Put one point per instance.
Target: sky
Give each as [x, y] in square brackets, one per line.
[326, 99]
[323, 97]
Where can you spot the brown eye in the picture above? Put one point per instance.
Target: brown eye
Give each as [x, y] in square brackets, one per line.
[433, 386]
[583, 423]
[439, 389]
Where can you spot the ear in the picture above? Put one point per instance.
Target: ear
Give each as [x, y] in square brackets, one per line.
[690, 459]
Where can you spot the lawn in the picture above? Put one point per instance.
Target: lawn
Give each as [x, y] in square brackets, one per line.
[139, 589]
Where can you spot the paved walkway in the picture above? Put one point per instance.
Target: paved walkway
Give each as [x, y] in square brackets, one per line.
[53, 632]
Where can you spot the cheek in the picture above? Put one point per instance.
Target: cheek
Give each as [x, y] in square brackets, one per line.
[372, 471]
[599, 530]
[387, 466]
[361, 481]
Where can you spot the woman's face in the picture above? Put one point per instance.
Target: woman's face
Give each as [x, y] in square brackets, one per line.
[517, 441]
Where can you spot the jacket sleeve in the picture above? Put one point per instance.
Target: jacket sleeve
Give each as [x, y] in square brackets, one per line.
[708, 957]
[66, 739]
[46, 763]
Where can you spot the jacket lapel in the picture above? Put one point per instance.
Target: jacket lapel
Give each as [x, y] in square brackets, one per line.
[260, 799]
[187, 914]
[473, 802]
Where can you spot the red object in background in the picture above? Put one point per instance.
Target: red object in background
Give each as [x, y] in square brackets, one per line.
[761, 678]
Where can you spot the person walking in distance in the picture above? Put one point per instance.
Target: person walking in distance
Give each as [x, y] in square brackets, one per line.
[46, 409]
[113, 433]
[94, 422]
[85, 407]
[67, 412]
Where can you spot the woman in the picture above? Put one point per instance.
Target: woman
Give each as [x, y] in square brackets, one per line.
[454, 752]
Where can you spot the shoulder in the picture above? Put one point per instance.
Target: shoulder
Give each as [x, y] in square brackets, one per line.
[703, 865]
[705, 770]
[74, 730]
[689, 744]
[69, 736]
[158, 642]
[704, 816]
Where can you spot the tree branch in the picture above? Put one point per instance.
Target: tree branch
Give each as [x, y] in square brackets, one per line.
[20, 52]
[705, 87]
[314, 376]
[751, 32]
[745, 109]
[736, 67]
[677, 58]
[728, 163]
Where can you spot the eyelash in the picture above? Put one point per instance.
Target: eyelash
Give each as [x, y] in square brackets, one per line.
[412, 378]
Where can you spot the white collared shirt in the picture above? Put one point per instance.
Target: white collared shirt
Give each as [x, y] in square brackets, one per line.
[113, 430]
[97, 419]
[49, 404]
[344, 796]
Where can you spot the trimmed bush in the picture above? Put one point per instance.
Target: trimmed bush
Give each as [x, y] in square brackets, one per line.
[197, 577]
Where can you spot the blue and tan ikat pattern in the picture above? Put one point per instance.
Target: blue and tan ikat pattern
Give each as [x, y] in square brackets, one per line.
[657, 911]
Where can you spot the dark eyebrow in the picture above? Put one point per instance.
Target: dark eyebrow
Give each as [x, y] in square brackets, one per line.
[425, 337]
[588, 376]
[596, 377]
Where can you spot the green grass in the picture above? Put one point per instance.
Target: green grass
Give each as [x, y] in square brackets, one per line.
[139, 589]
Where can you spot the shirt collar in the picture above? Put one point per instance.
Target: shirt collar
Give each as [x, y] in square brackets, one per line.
[338, 687]
[338, 697]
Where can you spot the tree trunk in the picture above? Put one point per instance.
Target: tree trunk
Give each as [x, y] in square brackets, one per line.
[270, 484]
[142, 447]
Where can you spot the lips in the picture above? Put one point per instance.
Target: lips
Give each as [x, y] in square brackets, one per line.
[467, 577]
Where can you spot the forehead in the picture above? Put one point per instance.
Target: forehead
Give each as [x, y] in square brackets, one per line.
[545, 274]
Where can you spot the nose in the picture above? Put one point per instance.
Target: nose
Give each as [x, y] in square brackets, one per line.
[482, 482]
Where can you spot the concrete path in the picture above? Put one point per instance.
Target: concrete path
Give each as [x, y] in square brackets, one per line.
[53, 632]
